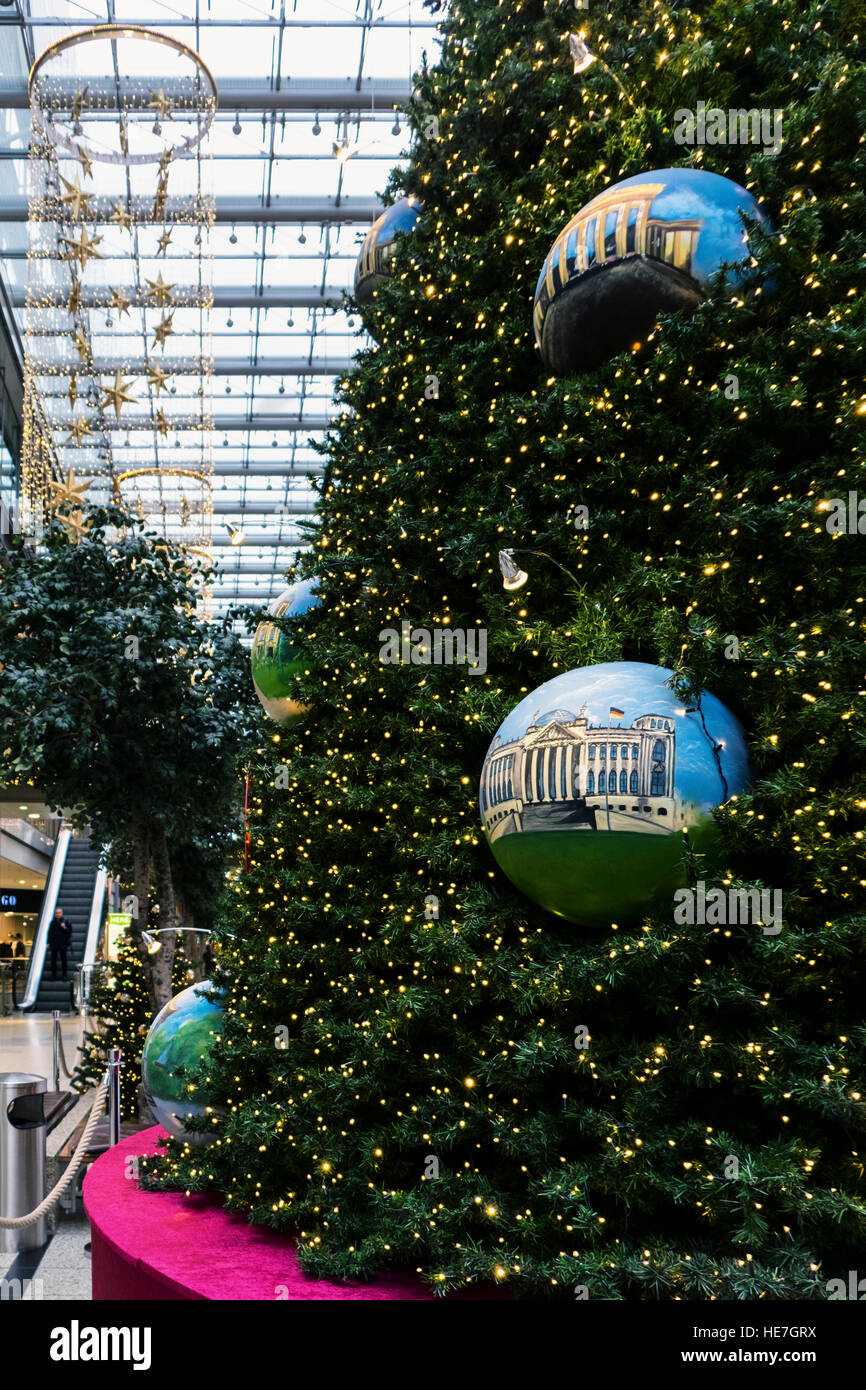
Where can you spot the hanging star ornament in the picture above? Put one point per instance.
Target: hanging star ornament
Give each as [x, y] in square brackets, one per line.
[70, 493]
[73, 303]
[119, 394]
[75, 525]
[157, 378]
[78, 103]
[84, 249]
[162, 105]
[119, 300]
[164, 329]
[81, 345]
[72, 393]
[157, 212]
[163, 243]
[120, 216]
[160, 292]
[78, 432]
[85, 161]
[79, 201]
[161, 423]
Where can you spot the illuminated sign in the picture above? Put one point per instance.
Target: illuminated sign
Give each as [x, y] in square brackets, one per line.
[20, 899]
[116, 927]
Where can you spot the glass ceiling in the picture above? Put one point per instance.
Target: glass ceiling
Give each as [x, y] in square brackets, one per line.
[294, 77]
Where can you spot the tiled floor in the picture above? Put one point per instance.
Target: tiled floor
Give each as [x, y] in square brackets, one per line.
[25, 1042]
[61, 1269]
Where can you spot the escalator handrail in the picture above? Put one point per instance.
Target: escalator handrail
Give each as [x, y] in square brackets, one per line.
[36, 964]
[94, 923]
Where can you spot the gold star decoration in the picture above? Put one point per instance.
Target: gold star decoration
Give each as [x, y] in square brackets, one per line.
[157, 378]
[163, 243]
[160, 291]
[85, 161]
[163, 330]
[184, 510]
[70, 493]
[119, 394]
[79, 201]
[120, 216]
[72, 393]
[119, 300]
[158, 210]
[78, 432]
[161, 104]
[73, 303]
[75, 524]
[82, 346]
[84, 249]
[78, 103]
[161, 423]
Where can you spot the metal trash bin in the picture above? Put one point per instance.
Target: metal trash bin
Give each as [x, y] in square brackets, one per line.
[22, 1163]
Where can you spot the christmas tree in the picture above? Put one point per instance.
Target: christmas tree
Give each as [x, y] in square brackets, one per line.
[120, 1004]
[399, 1074]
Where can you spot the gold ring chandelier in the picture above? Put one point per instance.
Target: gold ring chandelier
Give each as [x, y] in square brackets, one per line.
[119, 361]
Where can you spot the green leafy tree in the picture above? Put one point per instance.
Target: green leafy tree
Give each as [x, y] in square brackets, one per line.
[123, 704]
[429, 1108]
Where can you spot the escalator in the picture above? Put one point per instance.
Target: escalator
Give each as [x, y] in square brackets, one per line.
[77, 884]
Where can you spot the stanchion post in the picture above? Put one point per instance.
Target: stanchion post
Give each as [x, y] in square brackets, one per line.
[55, 1061]
[114, 1056]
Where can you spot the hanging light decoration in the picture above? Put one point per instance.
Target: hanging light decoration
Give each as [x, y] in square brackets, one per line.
[121, 207]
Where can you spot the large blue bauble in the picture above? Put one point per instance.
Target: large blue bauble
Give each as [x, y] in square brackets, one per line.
[379, 245]
[593, 783]
[647, 245]
[181, 1036]
[274, 661]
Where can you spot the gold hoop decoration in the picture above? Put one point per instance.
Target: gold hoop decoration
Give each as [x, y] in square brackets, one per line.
[118, 338]
[203, 478]
[145, 106]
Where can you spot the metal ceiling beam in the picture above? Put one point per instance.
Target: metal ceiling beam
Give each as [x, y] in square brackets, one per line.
[222, 366]
[268, 470]
[253, 94]
[228, 424]
[249, 508]
[227, 298]
[53, 22]
[237, 211]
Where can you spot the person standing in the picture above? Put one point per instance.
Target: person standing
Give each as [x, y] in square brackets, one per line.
[59, 937]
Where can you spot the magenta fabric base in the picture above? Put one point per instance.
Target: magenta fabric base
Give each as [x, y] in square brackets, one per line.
[163, 1245]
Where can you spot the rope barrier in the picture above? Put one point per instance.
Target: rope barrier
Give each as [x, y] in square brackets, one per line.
[17, 1223]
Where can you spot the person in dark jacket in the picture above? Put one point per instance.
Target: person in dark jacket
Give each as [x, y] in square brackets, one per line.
[59, 937]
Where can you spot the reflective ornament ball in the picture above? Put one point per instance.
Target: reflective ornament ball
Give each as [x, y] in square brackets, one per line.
[180, 1036]
[648, 245]
[274, 661]
[595, 781]
[379, 245]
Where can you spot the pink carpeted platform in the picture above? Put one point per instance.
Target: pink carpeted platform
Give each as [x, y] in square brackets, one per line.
[149, 1245]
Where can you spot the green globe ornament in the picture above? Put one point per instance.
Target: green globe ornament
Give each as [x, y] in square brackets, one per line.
[181, 1036]
[275, 662]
